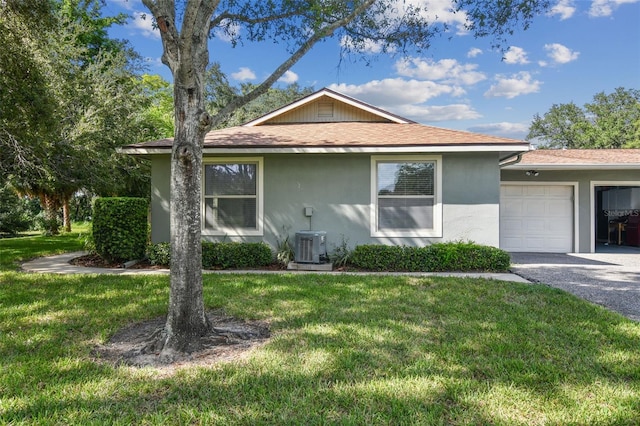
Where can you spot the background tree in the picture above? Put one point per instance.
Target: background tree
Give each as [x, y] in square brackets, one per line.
[609, 121]
[26, 105]
[219, 93]
[74, 96]
[297, 26]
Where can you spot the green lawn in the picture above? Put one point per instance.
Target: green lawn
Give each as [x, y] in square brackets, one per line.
[344, 350]
[20, 249]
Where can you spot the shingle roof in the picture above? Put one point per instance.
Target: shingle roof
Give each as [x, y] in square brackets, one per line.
[580, 157]
[340, 134]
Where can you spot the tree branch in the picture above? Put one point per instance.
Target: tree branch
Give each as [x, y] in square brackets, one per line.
[287, 64]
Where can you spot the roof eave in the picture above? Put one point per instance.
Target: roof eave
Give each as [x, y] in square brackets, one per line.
[510, 148]
[585, 166]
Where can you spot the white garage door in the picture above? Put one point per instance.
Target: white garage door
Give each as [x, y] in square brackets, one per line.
[536, 218]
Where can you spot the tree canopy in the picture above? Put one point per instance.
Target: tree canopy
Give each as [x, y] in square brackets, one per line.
[609, 121]
[70, 96]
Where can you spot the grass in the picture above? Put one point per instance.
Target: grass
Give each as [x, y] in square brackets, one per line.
[345, 350]
[20, 249]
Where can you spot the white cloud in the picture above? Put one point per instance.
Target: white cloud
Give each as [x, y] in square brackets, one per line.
[505, 129]
[509, 87]
[407, 97]
[143, 23]
[446, 70]
[515, 55]
[392, 92]
[227, 31]
[431, 113]
[289, 77]
[125, 4]
[367, 46]
[560, 54]
[600, 8]
[440, 11]
[244, 74]
[564, 8]
[473, 52]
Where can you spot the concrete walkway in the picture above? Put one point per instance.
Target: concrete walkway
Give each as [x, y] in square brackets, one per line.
[611, 280]
[59, 264]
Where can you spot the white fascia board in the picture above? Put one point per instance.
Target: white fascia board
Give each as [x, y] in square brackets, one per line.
[143, 151]
[338, 150]
[365, 149]
[613, 166]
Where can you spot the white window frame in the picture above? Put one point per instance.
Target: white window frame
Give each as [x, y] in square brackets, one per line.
[231, 231]
[436, 231]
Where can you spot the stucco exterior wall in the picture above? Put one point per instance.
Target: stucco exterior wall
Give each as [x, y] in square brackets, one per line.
[584, 179]
[338, 188]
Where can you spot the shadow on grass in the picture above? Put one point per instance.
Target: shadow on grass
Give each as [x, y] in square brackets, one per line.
[348, 350]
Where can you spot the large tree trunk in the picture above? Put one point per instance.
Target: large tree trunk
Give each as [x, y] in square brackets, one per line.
[187, 55]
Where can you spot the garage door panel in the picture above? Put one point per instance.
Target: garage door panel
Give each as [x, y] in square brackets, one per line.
[559, 191]
[512, 225]
[534, 191]
[534, 208]
[514, 208]
[533, 226]
[536, 218]
[512, 191]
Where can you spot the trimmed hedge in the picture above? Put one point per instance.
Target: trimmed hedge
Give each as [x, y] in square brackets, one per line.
[235, 255]
[458, 256]
[120, 228]
[227, 255]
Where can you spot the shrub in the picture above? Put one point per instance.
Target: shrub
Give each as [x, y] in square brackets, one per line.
[341, 255]
[455, 256]
[46, 224]
[226, 255]
[231, 255]
[120, 230]
[159, 254]
[14, 213]
[284, 251]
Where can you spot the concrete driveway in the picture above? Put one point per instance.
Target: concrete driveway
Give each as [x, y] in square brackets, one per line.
[607, 279]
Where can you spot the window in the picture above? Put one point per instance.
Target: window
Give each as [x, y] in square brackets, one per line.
[233, 197]
[406, 196]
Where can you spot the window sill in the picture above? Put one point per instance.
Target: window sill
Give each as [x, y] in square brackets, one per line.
[426, 233]
[233, 233]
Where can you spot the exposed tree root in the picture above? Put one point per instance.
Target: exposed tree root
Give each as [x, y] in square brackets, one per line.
[142, 344]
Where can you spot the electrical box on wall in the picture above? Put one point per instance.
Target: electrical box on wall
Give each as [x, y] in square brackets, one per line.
[308, 211]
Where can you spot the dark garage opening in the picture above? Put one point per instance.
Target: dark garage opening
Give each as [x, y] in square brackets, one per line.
[617, 218]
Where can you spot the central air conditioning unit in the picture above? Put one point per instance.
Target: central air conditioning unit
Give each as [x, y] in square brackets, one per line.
[311, 247]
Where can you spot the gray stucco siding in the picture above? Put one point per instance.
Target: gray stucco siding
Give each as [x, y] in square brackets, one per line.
[160, 197]
[584, 179]
[338, 189]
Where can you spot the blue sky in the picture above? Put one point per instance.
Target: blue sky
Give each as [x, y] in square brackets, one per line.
[582, 47]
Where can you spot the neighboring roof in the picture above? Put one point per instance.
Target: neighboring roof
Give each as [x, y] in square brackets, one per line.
[375, 130]
[340, 137]
[563, 159]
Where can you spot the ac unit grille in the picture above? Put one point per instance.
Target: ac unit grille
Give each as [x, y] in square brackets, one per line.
[310, 247]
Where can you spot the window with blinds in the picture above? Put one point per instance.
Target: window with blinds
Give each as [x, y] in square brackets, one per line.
[231, 197]
[405, 196]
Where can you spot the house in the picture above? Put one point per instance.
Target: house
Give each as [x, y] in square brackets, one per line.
[332, 163]
[575, 200]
